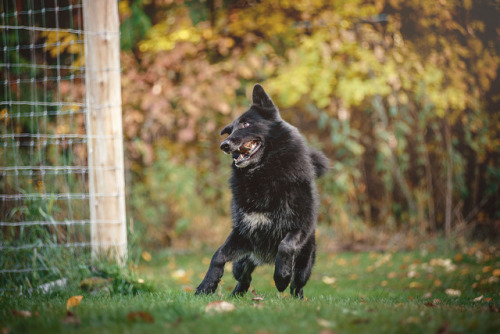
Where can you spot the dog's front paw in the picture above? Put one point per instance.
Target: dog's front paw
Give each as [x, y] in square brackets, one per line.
[205, 288]
[282, 279]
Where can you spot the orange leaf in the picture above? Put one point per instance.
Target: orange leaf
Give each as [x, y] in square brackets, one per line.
[140, 315]
[73, 301]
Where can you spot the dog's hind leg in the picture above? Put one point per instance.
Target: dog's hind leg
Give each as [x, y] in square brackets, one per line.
[302, 268]
[242, 271]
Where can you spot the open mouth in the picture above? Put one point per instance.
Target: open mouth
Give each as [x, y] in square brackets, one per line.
[245, 151]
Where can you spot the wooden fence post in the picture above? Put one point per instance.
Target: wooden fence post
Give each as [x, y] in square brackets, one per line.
[104, 129]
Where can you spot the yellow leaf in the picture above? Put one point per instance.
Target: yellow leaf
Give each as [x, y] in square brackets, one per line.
[415, 285]
[73, 301]
[487, 269]
[146, 256]
[328, 280]
[437, 282]
[496, 272]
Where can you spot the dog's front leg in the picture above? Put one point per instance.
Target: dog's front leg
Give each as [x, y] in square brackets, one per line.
[284, 259]
[234, 247]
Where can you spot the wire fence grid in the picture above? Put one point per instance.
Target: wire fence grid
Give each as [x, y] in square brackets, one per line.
[45, 219]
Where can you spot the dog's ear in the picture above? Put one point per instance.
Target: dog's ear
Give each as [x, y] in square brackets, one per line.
[260, 97]
[227, 129]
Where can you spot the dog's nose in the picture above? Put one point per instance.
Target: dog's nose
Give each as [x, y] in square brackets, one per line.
[225, 146]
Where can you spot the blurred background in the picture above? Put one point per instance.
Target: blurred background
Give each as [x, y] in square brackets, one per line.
[402, 96]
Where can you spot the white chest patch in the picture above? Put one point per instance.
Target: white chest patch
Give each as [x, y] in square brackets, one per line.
[256, 219]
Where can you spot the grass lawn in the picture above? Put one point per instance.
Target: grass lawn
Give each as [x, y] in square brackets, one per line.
[424, 291]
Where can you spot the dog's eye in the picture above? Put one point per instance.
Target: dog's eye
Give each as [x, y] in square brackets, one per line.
[246, 124]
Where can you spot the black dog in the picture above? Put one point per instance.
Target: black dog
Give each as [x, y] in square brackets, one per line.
[274, 204]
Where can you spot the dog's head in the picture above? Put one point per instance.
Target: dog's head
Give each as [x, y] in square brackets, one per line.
[247, 133]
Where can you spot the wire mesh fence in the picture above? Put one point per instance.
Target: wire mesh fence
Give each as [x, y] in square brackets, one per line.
[46, 191]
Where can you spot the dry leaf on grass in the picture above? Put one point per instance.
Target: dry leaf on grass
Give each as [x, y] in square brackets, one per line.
[21, 313]
[140, 316]
[256, 296]
[71, 319]
[453, 292]
[73, 301]
[219, 306]
[477, 299]
[326, 323]
[328, 280]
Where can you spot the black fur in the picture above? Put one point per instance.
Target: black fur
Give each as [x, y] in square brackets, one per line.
[274, 204]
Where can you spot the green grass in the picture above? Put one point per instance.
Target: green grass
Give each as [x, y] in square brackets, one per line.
[402, 292]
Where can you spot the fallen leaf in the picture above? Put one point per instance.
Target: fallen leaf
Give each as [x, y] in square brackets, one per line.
[95, 283]
[21, 313]
[4, 330]
[477, 299]
[326, 323]
[188, 288]
[436, 301]
[415, 285]
[427, 295]
[70, 319]
[429, 304]
[140, 316]
[453, 292]
[328, 280]
[437, 282]
[257, 298]
[383, 283]
[496, 272]
[392, 275]
[73, 301]
[487, 299]
[219, 306]
[487, 269]
[458, 258]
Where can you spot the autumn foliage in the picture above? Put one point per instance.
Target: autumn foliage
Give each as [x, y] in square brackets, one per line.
[402, 95]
